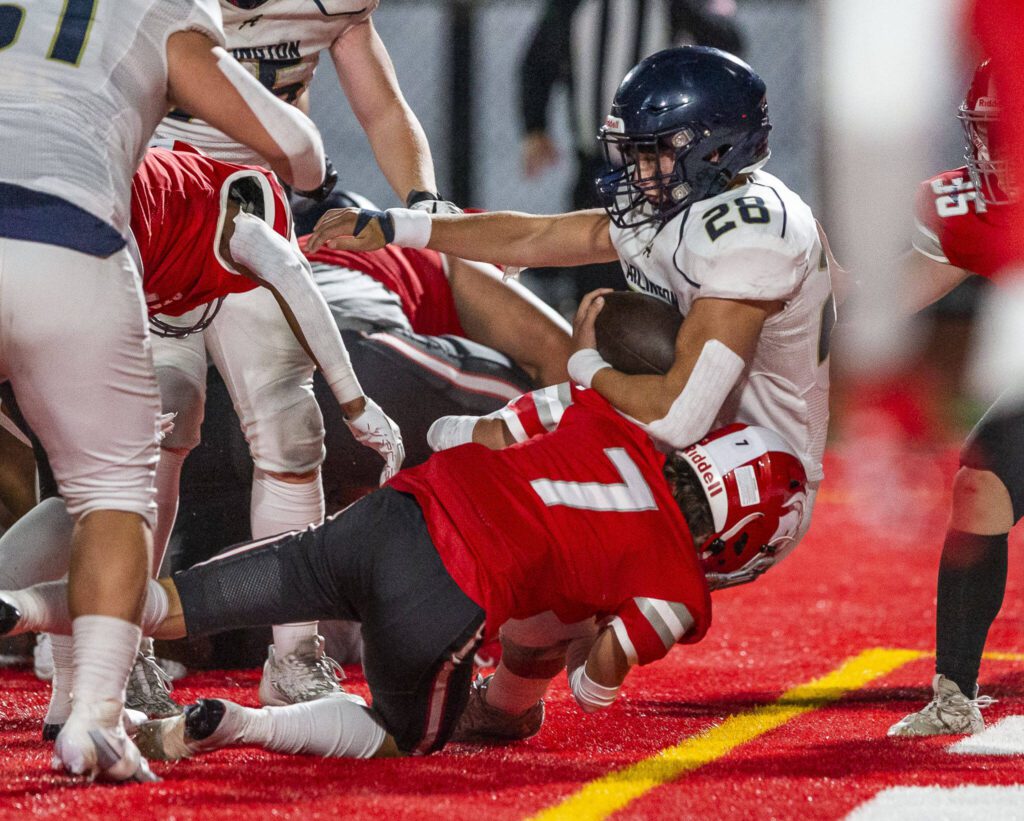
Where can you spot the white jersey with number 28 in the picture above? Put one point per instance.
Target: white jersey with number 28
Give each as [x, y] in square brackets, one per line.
[83, 83]
[758, 241]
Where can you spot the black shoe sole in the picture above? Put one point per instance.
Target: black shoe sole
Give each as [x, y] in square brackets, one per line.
[9, 617]
[203, 718]
[51, 731]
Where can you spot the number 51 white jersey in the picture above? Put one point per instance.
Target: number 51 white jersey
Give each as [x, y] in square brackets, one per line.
[83, 83]
[759, 242]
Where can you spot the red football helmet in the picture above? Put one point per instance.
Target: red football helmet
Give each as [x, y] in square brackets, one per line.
[757, 487]
[979, 114]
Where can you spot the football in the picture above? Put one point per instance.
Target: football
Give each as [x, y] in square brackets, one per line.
[636, 333]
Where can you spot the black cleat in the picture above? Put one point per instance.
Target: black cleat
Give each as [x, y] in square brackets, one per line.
[9, 617]
[51, 731]
[203, 718]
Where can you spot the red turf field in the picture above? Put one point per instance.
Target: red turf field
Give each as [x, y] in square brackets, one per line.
[741, 741]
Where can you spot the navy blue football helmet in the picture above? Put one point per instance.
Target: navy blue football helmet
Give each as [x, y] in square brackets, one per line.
[683, 124]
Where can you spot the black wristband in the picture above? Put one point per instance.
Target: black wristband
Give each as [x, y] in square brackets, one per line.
[420, 196]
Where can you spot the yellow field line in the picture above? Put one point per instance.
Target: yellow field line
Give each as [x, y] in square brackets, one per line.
[600, 798]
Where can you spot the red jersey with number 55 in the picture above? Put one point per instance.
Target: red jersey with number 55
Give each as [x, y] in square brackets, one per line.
[955, 228]
[178, 202]
[580, 522]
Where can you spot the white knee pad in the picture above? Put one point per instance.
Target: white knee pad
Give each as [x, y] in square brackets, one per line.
[290, 440]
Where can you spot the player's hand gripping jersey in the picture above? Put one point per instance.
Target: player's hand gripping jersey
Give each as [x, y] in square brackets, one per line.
[758, 242]
[580, 522]
[279, 43]
[955, 228]
[178, 211]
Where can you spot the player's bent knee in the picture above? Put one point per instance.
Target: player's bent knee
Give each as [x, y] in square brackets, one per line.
[290, 441]
[981, 503]
[533, 662]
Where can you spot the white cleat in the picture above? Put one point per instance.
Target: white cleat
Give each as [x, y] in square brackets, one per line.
[950, 712]
[305, 675]
[99, 750]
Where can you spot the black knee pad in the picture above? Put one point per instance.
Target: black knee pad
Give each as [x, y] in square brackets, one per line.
[997, 445]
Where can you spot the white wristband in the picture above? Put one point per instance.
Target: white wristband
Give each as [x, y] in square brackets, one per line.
[412, 227]
[584, 364]
[590, 695]
[451, 431]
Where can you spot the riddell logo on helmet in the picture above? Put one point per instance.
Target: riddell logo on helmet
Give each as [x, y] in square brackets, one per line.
[986, 104]
[699, 459]
[614, 124]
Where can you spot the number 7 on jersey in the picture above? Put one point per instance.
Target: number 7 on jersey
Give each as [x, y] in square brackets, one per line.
[630, 495]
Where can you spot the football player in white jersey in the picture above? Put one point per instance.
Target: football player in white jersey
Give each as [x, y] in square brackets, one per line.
[83, 83]
[695, 222]
[268, 374]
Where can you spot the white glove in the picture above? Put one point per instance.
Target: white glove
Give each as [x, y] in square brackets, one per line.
[375, 430]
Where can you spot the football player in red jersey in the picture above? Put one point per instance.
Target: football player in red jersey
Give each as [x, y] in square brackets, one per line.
[962, 219]
[589, 521]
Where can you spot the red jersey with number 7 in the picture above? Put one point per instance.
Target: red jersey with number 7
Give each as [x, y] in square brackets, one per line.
[580, 522]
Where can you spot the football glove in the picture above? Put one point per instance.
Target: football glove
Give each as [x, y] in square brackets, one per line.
[431, 203]
[374, 429]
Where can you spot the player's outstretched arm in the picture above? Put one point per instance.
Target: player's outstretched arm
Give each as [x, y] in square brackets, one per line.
[714, 344]
[368, 79]
[506, 316]
[278, 265]
[207, 82]
[504, 238]
[925, 280]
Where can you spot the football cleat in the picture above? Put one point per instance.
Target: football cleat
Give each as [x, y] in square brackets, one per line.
[100, 749]
[481, 724]
[207, 725]
[149, 688]
[9, 617]
[305, 675]
[42, 657]
[949, 713]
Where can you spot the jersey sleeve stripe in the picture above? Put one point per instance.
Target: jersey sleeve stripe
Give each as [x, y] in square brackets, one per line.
[933, 248]
[785, 214]
[669, 620]
[549, 407]
[624, 640]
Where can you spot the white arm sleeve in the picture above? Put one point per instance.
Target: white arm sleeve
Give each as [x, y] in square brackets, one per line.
[280, 264]
[694, 411]
[292, 130]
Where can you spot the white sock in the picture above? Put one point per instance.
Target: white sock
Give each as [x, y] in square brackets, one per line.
[514, 694]
[287, 637]
[44, 608]
[278, 507]
[168, 477]
[330, 727]
[63, 672]
[105, 649]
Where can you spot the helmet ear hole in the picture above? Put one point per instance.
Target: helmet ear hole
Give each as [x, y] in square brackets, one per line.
[717, 157]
